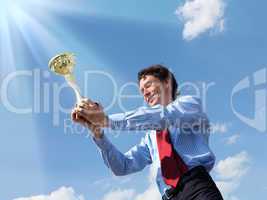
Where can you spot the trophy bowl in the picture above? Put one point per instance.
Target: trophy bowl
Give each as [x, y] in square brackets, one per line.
[62, 64]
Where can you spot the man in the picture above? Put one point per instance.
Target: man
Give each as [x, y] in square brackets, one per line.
[177, 142]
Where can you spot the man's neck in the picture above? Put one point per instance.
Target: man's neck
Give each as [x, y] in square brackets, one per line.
[167, 102]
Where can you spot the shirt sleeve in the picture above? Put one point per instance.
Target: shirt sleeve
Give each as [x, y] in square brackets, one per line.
[186, 109]
[122, 164]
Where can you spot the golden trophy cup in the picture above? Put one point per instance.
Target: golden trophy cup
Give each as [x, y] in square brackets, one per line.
[63, 64]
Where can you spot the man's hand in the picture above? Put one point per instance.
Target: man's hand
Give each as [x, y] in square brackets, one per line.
[77, 117]
[92, 112]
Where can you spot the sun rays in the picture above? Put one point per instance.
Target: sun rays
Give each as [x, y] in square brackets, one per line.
[36, 24]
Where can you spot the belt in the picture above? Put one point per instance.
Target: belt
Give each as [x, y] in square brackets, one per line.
[191, 174]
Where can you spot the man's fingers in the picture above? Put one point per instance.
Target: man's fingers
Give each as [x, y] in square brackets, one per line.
[72, 115]
[83, 106]
[90, 112]
[89, 116]
[80, 119]
[90, 125]
[87, 101]
[89, 106]
[75, 116]
[83, 113]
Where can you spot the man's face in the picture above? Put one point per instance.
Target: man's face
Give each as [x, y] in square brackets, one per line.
[154, 91]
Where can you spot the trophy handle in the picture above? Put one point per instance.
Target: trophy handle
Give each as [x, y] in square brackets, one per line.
[71, 81]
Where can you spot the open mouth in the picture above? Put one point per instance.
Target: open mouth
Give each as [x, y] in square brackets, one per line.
[152, 97]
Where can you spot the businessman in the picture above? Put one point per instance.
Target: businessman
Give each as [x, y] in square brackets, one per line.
[176, 143]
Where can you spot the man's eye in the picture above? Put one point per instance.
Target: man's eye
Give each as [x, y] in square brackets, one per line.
[148, 84]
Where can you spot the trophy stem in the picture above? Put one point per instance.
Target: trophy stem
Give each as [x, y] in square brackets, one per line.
[71, 81]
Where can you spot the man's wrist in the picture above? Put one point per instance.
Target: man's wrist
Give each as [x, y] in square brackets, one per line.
[98, 134]
[106, 122]
[96, 131]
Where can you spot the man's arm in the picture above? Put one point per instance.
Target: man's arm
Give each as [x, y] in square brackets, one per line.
[183, 111]
[122, 164]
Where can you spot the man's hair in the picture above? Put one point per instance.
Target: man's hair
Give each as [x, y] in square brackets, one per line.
[162, 73]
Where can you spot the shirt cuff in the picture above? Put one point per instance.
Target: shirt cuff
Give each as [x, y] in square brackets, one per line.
[117, 121]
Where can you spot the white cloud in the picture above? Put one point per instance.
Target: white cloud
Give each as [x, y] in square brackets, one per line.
[229, 172]
[233, 139]
[233, 167]
[108, 182]
[227, 187]
[130, 194]
[233, 198]
[120, 195]
[200, 16]
[63, 193]
[152, 191]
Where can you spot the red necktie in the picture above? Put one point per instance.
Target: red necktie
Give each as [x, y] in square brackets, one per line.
[172, 166]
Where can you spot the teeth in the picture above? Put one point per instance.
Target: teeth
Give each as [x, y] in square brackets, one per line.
[151, 97]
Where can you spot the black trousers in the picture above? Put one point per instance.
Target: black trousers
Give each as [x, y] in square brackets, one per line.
[197, 184]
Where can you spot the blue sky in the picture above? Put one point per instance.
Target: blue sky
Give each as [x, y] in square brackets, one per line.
[204, 42]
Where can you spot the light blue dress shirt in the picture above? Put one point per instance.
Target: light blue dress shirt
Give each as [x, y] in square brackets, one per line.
[188, 126]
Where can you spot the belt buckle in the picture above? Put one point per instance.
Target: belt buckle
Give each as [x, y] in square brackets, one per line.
[167, 195]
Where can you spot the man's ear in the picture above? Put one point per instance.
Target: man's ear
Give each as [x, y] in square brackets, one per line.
[168, 82]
